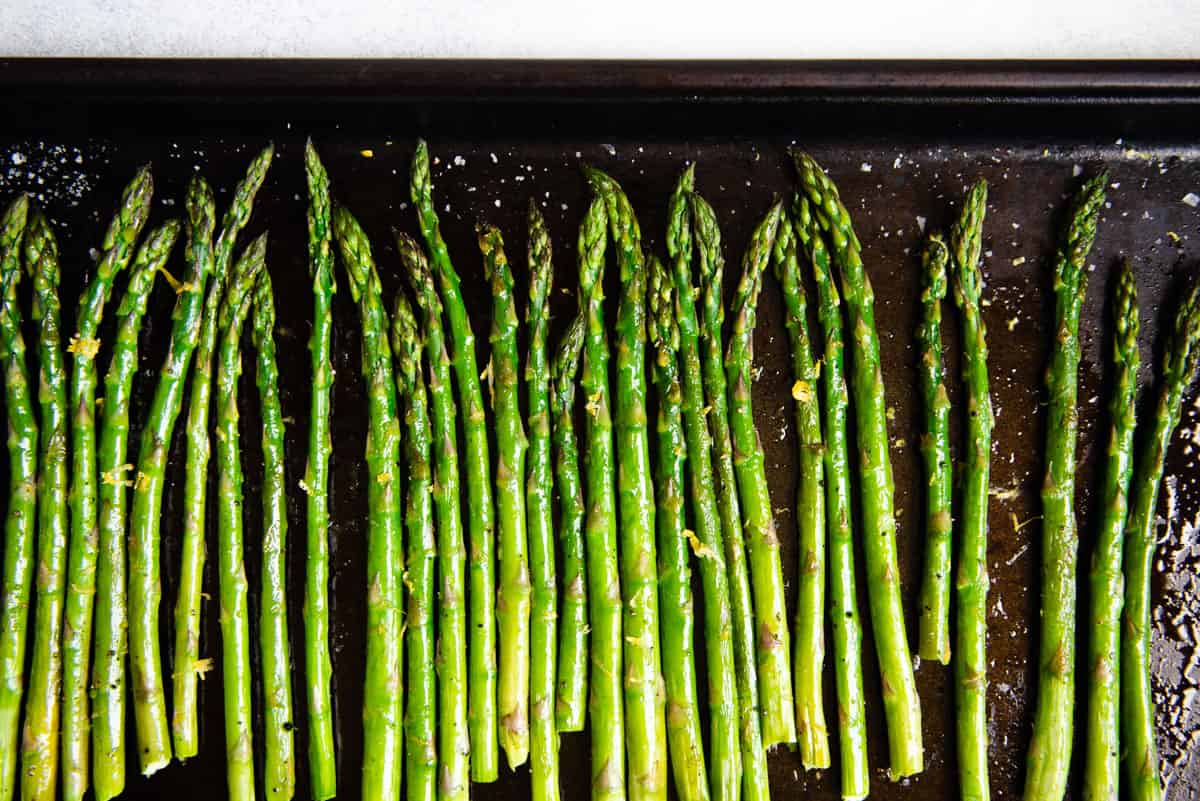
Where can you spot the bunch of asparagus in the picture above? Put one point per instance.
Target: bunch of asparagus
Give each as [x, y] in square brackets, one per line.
[504, 643]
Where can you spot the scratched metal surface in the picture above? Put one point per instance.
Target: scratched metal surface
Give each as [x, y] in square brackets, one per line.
[899, 175]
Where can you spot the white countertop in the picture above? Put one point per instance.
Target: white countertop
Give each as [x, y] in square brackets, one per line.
[607, 29]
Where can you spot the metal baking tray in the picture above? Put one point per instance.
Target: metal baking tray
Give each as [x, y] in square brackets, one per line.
[902, 139]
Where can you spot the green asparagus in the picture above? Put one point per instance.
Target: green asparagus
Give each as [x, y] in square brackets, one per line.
[772, 639]
[645, 715]
[383, 687]
[934, 635]
[108, 655]
[902, 707]
[39, 747]
[605, 702]
[420, 729]
[843, 591]
[1101, 776]
[677, 618]
[188, 665]
[81, 573]
[485, 761]
[318, 668]
[513, 590]
[725, 757]
[453, 746]
[809, 647]
[543, 735]
[21, 516]
[970, 666]
[1053, 722]
[571, 695]
[280, 770]
[1137, 702]
[231, 572]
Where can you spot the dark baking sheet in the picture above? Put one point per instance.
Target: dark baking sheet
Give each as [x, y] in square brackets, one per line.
[903, 141]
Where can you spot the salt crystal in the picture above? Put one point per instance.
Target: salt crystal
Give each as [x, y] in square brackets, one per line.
[1192, 199]
[865, 167]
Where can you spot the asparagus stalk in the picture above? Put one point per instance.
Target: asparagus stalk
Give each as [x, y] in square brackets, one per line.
[108, 655]
[809, 647]
[725, 757]
[1053, 722]
[571, 693]
[970, 668]
[21, 516]
[843, 591]
[145, 590]
[1137, 702]
[231, 572]
[902, 707]
[81, 570]
[188, 665]
[1101, 776]
[485, 761]
[605, 702]
[934, 630]
[280, 769]
[710, 265]
[773, 641]
[538, 483]
[383, 687]
[645, 718]
[318, 669]
[513, 592]
[677, 621]
[453, 745]
[39, 747]
[420, 728]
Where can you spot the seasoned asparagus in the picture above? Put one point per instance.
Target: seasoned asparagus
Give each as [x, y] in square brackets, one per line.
[1101, 776]
[809, 647]
[83, 543]
[108, 655]
[1053, 721]
[485, 761]
[543, 734]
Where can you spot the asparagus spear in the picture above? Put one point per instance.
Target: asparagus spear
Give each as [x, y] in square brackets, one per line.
[902, 707]
[645, 720]
[1137, 703]
[573, 625]
[318, 669]
[774, 645]
[231, 573]
[843, 592]
[538, 482]
[39, 747]
[419, 718]
[725, 758]
[809, 648]
[149, 706]
[970, 668]
[513, 592]
[934, 633]
[280, 769]
[188, 665]
[81, 570]
[1053, 722]
[710, 265]
[383, 688]
[453, 743]
[1101, 776]
[485, 761]
[108, 655]
[678, 621]
[21, 517]
[605, 701]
